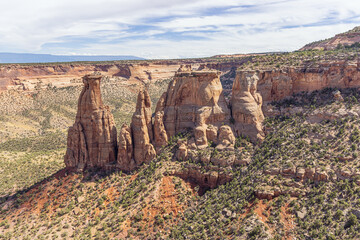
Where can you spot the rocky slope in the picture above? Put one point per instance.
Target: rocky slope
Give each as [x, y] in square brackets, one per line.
[348, 39]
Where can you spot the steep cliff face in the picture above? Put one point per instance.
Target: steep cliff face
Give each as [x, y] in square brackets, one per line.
[194, 98]
[135, 142]
[125, 158]
[278, 84]
[246, 106]
[92, 139]
[141, 127]
[160, 135]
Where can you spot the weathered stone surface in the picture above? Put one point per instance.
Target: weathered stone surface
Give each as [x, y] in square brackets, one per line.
[92, 139]
[211, 133]
[141, 128]
[226, 138]
[200, 137]
[267, 192]
[182, 151]
[272, 171]
[160, 135]
[223, 161]
[278, 84]
[194, 98]
[246, 106]
[125, 160]
[210, 179]
[288, 171]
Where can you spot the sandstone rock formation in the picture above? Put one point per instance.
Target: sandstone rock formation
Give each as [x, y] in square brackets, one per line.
[135, 145]
[182, 152]
[92, 139]
[160, 135]
[209, 179]
[226, 138]
[278, 84]
[211, 133]
[194, 101]
[194, 98]
[246, 106]
[125, 159]
[141, 127]
[200, 137]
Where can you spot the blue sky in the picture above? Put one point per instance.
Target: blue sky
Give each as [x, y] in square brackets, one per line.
[170, 28]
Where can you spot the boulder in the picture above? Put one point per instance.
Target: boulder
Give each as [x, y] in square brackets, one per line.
[200, 137]
[226, 138]
[212, 133]
[182, 151]
[321, 176]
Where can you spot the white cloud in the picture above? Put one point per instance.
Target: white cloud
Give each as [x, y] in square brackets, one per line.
[30, 26]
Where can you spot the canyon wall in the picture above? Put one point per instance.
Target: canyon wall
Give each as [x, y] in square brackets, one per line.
[279, 83]
[194, 98]
[27, 77]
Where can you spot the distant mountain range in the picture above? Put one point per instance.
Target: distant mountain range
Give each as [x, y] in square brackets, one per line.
[44, 58]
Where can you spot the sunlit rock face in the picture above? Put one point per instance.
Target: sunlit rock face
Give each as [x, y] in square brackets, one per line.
[92, 139]
[246, 106]
[194, 98]
[141, 127]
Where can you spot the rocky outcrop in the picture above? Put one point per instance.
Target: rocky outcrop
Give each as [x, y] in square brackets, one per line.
[226, 138]
[135, 146]
[92, 139]
[182, 151]
[209, 179]
[277, 84]
[194, 98]
[246, 106]
[160, 135]
[194, 101]
[141, 127]
[125, 157]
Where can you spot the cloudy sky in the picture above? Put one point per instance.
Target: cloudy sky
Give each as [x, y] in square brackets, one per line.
[170, 28]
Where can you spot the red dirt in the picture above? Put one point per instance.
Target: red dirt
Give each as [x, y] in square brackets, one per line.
[166, 202]
[285, 216]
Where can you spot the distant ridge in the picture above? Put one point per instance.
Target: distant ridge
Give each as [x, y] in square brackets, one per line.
[347, 39]
[44, 58]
